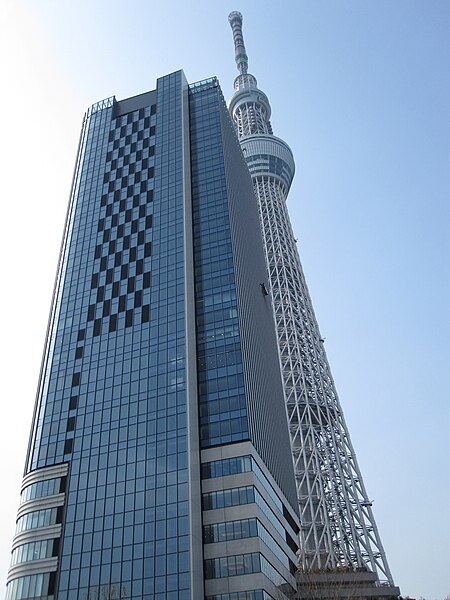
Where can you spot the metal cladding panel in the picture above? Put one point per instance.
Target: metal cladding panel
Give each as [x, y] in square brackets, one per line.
[265, 401]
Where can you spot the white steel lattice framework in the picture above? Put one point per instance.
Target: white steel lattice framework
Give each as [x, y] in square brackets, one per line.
[338, 529]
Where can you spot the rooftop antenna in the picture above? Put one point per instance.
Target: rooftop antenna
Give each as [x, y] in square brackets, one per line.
[235, 20]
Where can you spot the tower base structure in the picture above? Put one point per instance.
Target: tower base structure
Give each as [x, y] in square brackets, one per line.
[341, 584]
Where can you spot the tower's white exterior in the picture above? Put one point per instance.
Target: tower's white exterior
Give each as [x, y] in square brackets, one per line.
[337, 524]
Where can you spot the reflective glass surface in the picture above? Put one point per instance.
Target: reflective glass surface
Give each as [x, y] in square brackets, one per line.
[222, 402]
[35, 551]
[242, 529]
[39, 518]
[112, 399]
[49, 487]
[40, 586]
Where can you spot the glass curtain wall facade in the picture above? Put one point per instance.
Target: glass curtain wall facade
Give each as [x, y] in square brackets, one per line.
[159, 462]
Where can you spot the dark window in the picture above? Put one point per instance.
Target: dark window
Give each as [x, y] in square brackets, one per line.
[106, 308]
[79, 352]
[113, 323]
[70, 424]
[129, 318]
[81, 335]
[137, 299]
[51, 584]
[147, 280]
[91, 312]
[97, 327]
[145, 313]
[73, 402]
[68, 445]
[148, 249]
[130, 285]
[75, 379]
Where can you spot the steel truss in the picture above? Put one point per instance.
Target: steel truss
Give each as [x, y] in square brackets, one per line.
[338, 529]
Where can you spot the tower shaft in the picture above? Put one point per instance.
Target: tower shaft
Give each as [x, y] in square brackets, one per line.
[337, 524]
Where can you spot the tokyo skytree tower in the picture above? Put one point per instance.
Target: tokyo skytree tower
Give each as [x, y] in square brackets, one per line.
[338, 529]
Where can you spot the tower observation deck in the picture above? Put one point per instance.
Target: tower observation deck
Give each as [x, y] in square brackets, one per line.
[338, 529]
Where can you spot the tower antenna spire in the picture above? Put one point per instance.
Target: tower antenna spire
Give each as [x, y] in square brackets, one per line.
[235, 20]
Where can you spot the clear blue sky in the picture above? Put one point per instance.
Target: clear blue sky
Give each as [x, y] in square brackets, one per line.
[361, 91]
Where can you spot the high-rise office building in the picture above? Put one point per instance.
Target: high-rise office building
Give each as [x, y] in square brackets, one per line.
[339, 536]
[159, 463]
